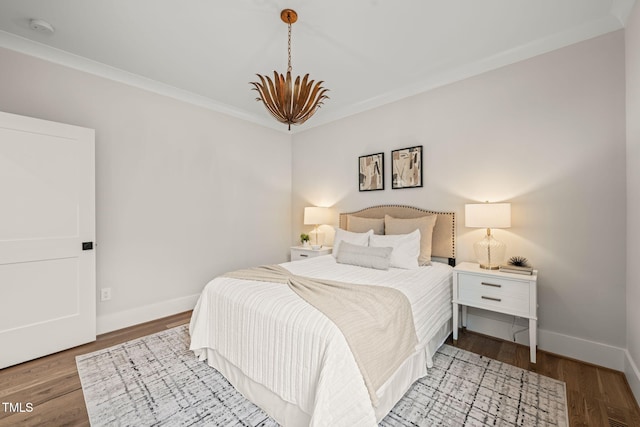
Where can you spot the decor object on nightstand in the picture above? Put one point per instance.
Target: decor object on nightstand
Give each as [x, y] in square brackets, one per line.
[517, 265]
[519, 261]
[489, 251]
[316, 216]
[304, 239]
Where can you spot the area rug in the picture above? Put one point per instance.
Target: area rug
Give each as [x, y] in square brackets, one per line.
[156, 381]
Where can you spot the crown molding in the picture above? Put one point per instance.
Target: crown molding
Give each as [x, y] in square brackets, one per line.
[619, 12]
[557, 41]
[61, 57]
[621, 9]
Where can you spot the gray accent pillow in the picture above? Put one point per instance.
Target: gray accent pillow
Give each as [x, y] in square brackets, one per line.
[364, 256]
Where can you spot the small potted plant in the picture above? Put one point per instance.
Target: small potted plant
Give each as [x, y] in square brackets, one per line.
[304, 239]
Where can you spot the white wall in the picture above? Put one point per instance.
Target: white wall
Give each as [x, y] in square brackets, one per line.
[546, 134]
[632, 44]
[183, 193]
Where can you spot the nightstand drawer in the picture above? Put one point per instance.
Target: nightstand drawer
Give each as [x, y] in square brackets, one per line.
[501, 294]
[299, 252]
[297, 255]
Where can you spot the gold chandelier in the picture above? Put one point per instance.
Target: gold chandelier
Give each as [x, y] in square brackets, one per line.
[288, 102]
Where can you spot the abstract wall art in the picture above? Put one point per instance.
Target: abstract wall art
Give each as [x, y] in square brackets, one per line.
[406, 167]
[371, 172]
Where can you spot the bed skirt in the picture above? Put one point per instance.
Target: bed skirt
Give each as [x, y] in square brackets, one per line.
[291, 415]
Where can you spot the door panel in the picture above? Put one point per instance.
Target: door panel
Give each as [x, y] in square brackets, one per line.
[47, 282]
[30, 293]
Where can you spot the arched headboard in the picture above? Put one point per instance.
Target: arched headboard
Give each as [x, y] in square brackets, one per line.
[444, 231]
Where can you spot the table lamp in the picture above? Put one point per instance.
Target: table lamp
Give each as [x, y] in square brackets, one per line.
[489, 252]
[316, 216]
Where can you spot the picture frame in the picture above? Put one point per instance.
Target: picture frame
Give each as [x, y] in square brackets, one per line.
[406, 167]
[371, 172]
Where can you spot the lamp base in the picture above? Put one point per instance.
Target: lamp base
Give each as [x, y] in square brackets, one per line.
[317, 238]
[490, 252]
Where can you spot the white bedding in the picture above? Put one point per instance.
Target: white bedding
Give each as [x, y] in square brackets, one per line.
[265, 332]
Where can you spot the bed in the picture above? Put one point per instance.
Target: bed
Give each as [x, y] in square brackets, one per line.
[294, 362]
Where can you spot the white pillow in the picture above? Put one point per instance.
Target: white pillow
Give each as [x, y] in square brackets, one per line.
[406, 248]
[406, 225]
[361, 239]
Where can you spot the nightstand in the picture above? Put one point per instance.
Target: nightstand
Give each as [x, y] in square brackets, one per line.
[301, 252]
[508, 293]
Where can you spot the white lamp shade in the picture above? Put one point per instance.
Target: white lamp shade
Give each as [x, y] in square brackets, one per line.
[316, 215]
[487, 215]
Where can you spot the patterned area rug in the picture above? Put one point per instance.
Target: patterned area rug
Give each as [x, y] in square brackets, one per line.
[156, 380]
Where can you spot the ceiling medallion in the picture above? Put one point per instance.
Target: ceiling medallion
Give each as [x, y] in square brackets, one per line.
[290, 102]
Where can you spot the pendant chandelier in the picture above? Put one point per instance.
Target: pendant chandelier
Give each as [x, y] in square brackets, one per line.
[290, 102]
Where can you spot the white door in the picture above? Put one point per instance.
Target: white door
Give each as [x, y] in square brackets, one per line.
[47, 211]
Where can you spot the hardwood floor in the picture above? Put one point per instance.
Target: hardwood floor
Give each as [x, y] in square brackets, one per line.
[51, 384]
[596, 396]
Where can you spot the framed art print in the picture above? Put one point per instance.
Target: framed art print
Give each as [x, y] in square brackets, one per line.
[406, 167]
[371, 172]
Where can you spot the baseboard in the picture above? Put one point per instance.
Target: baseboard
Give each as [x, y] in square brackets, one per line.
[501, 326]
[593, 352]
[123, 319]
[633, 375]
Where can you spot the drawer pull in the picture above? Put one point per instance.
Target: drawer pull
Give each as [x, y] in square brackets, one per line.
[303, 255]
[491, 284]
[491, 298]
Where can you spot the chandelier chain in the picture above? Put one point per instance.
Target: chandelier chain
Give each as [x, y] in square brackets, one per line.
[289, 48]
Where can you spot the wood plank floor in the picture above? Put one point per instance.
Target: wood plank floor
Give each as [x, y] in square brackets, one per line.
[596, 396]
[51, 384]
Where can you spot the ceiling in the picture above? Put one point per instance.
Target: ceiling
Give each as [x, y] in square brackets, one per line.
[368, 52]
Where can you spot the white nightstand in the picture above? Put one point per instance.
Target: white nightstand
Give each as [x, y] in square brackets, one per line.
[509, 293]
[301, 252]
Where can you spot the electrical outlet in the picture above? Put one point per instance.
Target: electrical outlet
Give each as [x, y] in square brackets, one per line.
[105, 294]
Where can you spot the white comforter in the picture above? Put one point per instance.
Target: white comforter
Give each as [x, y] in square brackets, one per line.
[278, 340]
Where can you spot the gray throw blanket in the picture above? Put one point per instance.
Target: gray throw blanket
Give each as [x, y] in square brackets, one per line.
[376, 321]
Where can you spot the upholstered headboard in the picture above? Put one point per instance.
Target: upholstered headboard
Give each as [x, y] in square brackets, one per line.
[444, 231]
